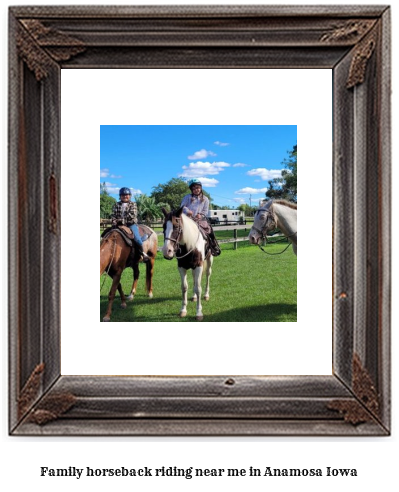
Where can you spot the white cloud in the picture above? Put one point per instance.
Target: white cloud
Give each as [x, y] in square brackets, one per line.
[265, 174]
[251, 191]
[240, 164]
[240, 200]
[104, 173]
[221, 144]
[201, 154]
[208, 182]
[113, 189]
[196, 169]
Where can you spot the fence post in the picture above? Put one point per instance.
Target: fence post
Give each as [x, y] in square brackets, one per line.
[235, 237]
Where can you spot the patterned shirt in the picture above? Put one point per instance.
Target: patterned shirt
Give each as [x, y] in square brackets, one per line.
[194, 203]
[126, 212]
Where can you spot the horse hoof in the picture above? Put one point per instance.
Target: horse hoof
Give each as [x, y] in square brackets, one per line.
[106, 319]
[193, 299]
[123, 306]
[206, 298]
[150, 295]
[199, 318]
[130, 298]
[183, 314]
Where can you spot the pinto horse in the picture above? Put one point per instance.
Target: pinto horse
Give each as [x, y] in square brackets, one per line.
[183, 240]
[275, 214]
[115, 257]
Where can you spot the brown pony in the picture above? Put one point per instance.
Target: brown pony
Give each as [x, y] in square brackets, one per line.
[115, 257]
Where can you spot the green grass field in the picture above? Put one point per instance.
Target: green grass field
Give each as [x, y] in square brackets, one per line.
[246, 285]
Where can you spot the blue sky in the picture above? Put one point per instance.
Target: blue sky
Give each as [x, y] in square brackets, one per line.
[233, 162]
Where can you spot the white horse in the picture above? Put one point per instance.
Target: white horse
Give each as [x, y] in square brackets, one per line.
[183, 240]
[275, 214]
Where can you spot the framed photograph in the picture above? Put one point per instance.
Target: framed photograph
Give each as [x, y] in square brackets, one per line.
[352, 44]
[230, 164]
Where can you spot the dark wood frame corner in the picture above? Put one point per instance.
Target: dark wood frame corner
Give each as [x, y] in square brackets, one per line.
[353, 42]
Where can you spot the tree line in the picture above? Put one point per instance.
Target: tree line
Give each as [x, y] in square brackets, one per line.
[170, 194]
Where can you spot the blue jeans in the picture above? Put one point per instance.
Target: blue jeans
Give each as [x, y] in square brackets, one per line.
[136, 233]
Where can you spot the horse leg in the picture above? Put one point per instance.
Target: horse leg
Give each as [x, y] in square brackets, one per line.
[103, 266]
[123, 297]
[136, 275]
[208, 272]
[184, 288]
[149, 269]
[194, 297]
[198, 289]
[111, 295]
[104, 262]
[294, 247]
[107, 250]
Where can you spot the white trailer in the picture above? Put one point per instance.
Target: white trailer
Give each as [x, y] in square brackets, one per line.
[226, 216]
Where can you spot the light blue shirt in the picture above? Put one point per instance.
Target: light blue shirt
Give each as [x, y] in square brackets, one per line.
[196, 205]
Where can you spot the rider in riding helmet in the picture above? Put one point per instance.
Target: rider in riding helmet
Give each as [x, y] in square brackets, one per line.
[196, 206]
[124, 212]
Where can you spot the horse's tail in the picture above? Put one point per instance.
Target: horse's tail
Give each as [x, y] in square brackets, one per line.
[149, 270]
[151, 248]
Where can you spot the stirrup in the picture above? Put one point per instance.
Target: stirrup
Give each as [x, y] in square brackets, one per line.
[145, 257]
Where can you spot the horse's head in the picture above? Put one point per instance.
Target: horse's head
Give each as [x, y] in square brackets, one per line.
[172, 230]
[264, 221]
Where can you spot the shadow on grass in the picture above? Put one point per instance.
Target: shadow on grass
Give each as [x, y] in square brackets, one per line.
[256, 314]
[125, 315]
[253, 314]
[250, 314]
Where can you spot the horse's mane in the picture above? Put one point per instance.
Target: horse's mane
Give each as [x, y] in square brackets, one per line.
[188, 225]
[286, 203]
[193, 227]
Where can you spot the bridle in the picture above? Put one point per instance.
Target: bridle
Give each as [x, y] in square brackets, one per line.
[178, 228]
[177, 225]
[263, 233]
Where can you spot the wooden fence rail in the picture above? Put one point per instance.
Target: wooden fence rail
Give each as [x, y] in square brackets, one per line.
[104, 223]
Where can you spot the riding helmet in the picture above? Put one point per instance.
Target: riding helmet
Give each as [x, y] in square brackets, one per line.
[125, 191]
[194, 181]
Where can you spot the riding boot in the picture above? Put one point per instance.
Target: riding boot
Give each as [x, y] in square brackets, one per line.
[215, 249]
[141, 253]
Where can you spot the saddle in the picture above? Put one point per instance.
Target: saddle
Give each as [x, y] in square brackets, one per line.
[212, 246]
[124, 231]
[127, 233]
[204, 227]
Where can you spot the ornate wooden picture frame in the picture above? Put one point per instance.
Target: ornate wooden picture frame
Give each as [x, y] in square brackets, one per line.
[352, 41]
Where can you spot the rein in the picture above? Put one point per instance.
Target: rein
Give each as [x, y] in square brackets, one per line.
[180, 257]
[176, 241]
[264, 237]
[280, 252]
